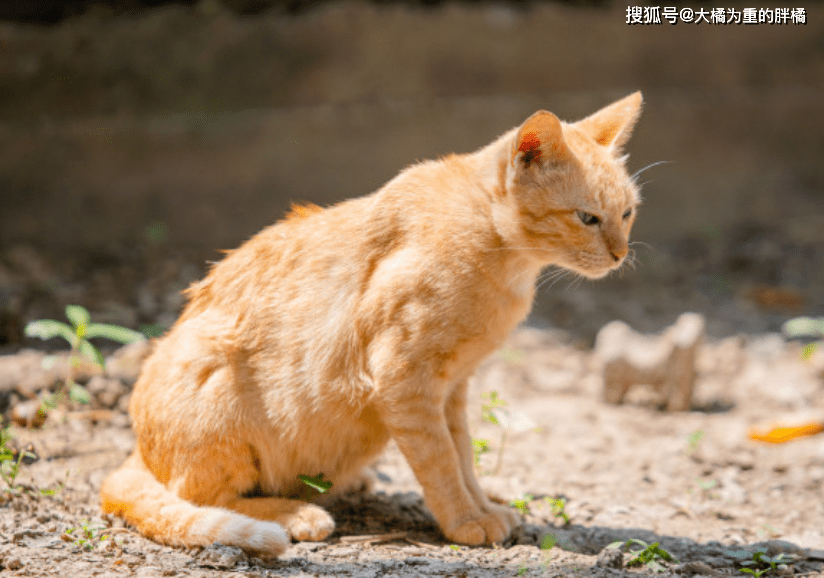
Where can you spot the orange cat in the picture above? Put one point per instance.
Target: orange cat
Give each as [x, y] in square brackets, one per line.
[327, 334]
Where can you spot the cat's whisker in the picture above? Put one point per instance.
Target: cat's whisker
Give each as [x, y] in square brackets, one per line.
[649, 166]
[575, 283]
[552, 277]
[552, 281]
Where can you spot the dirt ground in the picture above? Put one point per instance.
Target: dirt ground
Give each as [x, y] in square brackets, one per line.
[692, 481]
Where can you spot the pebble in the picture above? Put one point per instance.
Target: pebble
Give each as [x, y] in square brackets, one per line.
[28, 414]
[220, 557]
[610, 558]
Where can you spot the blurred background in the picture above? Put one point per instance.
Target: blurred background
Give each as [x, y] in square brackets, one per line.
[139, 138]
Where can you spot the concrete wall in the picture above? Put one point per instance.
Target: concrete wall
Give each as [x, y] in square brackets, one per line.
[211, 123]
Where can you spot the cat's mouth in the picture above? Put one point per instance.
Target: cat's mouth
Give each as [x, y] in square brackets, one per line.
[595, 272]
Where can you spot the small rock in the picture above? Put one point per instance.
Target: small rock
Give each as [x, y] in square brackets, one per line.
[693, 568]
[13, 563]
[526, 534]
[220, 557]
[666, 362]
[610, 558]
[28, 413]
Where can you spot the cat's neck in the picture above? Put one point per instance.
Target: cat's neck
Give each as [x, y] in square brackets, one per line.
[519, 265]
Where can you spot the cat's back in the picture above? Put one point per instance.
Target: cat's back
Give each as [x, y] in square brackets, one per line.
[425, 214]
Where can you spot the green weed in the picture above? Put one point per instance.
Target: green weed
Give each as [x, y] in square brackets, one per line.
[494, 411]
[480, 447]
[706, 487]
[87, 536]
[548, 541]
[316, 483]
[11, 461]
[650, 555]
[693, 440]
[557, 506]
[522, 504]
[760, 558]
[805, 328]
[77, 335]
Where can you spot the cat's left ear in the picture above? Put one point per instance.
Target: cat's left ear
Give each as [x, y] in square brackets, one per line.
[612, 125]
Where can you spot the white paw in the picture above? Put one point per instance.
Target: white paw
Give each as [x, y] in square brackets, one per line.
[310, 522]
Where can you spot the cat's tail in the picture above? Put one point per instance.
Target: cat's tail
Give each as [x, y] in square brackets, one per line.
[133, 493]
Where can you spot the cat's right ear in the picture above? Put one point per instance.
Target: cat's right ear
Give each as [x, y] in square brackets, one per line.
[539, 142]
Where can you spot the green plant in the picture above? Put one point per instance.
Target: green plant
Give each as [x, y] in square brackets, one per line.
[87, 536]
[693, 440]
[557, 506]
[805, 328]
[10, 461]
[650, 555]
[548, 541]
[760, 558]
[77, 335]
[522, 504]
[493, 411]
[156, 232]
[316, 483]
[706, 487]
[480, 447]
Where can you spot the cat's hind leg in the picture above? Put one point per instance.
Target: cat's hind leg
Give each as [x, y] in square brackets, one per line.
[224, 474]
[302, 520]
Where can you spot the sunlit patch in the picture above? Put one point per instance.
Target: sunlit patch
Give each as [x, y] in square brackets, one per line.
[298, 212]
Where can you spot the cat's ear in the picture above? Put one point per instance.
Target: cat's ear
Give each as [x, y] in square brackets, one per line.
[540, 141]
[612, 125]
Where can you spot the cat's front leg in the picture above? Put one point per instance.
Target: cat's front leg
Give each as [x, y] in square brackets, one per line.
[416, 419]
[455, 413]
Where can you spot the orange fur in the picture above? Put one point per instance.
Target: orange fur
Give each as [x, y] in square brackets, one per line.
[309, 347]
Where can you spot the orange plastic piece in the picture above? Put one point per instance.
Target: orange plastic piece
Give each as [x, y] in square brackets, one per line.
[779, 435]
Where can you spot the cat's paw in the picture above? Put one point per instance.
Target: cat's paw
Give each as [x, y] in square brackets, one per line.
[489, 528]
[310, 522]
[507, 515]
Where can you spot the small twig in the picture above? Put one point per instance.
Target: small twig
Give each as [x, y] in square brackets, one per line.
[419, 544]
[374, 538]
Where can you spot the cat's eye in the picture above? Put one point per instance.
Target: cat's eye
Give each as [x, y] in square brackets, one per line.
[588, 218]
[627, 213]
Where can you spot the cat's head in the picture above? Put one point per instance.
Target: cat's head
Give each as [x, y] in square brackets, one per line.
[568, 189]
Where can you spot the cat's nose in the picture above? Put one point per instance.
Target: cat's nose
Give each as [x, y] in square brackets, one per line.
[616, 244]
